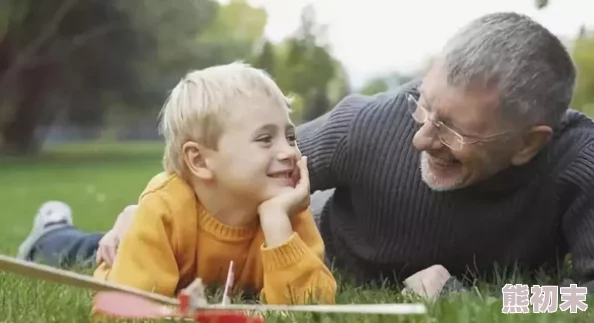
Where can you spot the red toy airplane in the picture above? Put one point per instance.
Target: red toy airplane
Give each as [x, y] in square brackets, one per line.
[191, 303]
[125, 302]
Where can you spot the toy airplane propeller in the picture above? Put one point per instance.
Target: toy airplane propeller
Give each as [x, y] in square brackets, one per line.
[125, 302]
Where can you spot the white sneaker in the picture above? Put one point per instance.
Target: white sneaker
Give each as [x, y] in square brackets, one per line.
[51, 215]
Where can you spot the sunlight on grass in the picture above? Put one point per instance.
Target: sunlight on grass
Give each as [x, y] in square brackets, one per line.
[99, 180]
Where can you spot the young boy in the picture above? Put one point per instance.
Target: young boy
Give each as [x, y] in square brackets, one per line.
[235, 188]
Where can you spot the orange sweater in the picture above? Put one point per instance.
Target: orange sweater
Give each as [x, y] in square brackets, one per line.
[172, 241]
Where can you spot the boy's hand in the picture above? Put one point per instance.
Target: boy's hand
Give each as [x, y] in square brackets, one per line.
[291, 200]
[108, 245]
[274, 213]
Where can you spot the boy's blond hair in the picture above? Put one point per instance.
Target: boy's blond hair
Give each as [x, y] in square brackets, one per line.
[198, 103]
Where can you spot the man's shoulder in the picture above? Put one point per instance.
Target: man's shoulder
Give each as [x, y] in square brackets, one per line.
[574, 147]
[356, 108]
[576, 131]
[377, 107]
[382, 111]
[381, 100]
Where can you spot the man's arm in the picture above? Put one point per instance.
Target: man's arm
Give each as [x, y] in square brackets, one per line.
[325, 142]
[578, 221]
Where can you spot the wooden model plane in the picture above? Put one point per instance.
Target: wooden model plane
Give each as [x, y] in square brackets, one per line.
[191, 303]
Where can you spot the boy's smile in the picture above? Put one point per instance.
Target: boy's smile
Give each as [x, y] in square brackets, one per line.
[283, 177]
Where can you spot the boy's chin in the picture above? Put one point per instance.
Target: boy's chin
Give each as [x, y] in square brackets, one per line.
[281, 182]
[276, 190]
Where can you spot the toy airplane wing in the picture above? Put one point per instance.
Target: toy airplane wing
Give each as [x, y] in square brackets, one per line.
[132, 303]
[47, 273]
[124, 302]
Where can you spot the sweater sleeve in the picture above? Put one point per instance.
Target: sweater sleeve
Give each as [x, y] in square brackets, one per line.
[325, 142]
[295, 273]
[578, 221]
[145, 259]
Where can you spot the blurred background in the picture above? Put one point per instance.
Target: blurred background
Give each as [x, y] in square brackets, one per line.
[82, 81]
[88, 70]
[82, 70]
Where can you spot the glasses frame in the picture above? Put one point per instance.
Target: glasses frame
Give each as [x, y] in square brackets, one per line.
[443, 129]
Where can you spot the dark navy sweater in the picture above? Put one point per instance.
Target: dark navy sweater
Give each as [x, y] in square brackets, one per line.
[383, 221]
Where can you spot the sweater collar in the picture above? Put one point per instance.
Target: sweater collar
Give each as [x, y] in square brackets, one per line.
[509, 179]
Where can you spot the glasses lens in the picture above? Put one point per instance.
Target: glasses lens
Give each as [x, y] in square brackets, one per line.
[449, 138]
[417, 112]
[411, 104]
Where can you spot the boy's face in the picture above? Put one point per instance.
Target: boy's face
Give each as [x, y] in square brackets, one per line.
[257, 153]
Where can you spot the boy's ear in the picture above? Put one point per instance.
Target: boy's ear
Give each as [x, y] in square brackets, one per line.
[195, 160]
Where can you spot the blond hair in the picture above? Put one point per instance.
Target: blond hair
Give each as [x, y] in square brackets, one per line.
[198, 103]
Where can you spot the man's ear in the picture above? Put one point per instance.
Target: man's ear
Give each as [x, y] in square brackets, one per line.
[532, 143]
[196, 161]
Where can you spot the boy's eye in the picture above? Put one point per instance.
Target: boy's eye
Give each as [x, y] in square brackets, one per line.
[291, 138]
[265, 138]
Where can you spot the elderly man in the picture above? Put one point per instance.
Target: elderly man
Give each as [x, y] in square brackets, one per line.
[479, 165]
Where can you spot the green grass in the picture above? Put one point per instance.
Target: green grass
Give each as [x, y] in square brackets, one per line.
[98, 180]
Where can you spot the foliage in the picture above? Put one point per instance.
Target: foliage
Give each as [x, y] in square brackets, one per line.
[71, 58]
[540, 4]
[386, 83]
[90, 62]
[376, 85]
[304, 67]
[583, 55]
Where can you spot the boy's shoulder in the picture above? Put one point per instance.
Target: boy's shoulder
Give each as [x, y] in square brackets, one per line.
[172, 191]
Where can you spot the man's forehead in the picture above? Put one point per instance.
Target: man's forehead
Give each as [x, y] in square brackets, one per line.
[471, 109]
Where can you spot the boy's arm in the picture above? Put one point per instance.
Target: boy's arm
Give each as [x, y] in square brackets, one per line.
[145, 259]
[294, 270]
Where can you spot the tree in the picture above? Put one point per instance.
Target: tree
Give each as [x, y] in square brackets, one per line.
[376, 85]
[387, 82]
[54, 48]
[237, 20]
[235, 33]
[583, 55]
[305, 66]
[339, 86]
[540, 4]
[82, 59]
[266, 59]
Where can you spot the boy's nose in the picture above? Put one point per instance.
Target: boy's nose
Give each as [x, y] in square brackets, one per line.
[288, 152]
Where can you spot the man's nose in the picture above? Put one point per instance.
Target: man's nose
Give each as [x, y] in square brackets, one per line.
[426, 138]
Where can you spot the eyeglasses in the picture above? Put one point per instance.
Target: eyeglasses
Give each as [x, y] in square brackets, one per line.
[446, 135]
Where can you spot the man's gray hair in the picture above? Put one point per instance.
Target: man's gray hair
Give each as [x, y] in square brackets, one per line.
[529, 66]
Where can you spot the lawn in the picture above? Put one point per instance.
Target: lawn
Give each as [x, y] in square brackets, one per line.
[98, 180]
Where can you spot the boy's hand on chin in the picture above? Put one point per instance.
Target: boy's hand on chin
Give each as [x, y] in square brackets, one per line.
[274, 213]
[291, 200]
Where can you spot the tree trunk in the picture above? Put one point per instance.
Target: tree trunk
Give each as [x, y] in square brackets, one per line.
[19, 134]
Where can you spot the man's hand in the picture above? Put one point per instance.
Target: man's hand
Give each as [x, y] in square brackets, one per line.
[108, 245]
[275, 213]
[428, 282]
